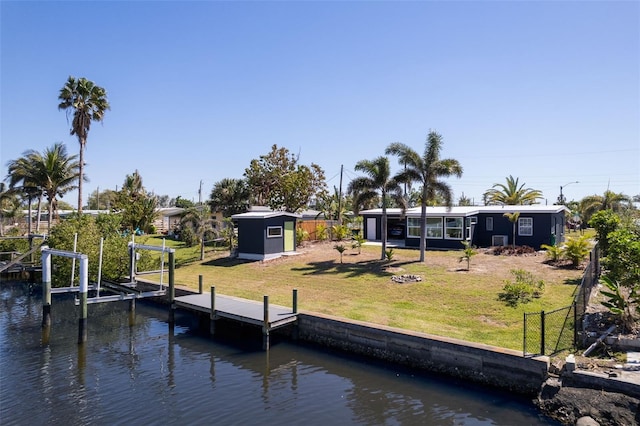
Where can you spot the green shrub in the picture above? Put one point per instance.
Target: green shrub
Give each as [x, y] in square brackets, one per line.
[341, 249]
[576, 250]
[388, 254]
[523, 289]
[301, 235]
[340, 232]
[554, 252]
[321, 232]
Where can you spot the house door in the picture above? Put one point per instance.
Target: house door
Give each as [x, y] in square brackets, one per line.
[371, 228]
[289, 236]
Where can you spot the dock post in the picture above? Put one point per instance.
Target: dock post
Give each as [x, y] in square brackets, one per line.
[84, 289]
[199, 284]
[212, 315]
[295, 300]
[265, 326]
[172, 287]
[132, 312]
[132, 261]
[46, 287]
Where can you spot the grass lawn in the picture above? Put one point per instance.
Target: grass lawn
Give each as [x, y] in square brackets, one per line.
[449, 301]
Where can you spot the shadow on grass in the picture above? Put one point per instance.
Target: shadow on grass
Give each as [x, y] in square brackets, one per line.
[227, 262]
[349, 270]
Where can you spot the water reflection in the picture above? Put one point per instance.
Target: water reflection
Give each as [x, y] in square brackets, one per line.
[136, 369]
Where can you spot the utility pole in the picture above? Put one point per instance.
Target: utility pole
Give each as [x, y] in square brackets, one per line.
[340, 197]
[200, 193]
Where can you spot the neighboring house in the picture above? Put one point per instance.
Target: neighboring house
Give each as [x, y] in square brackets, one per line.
[483, 226]
[168, 219]
[265, 235]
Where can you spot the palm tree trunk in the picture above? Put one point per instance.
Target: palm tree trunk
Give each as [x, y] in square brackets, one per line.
[83, 141]
[39, 213]
[384, 227]
[49, 217]
[423, 223]
[202, 248]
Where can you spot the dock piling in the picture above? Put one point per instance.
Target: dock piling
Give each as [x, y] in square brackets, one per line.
[199, 284]
[46, 287]
[265, 326]
[212, 315]
[172, 287]
[84, 290]
[295, 301]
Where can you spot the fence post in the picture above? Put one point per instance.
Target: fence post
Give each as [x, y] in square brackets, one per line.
[542, 343]
[575, 325]
[524, 334]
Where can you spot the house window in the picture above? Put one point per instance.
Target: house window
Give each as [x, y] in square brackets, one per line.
[525, 226]
[489, 224]
[453, 228]
[434, 227]
[274, 231]
[413, 227]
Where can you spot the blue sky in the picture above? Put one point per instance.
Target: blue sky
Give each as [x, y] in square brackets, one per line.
[548, 92]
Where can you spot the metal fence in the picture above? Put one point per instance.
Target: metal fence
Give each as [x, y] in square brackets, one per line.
[546, 333]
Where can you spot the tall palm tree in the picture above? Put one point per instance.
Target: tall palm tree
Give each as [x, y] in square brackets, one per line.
[88, 102]
[55, 173]
[230, 196]
[511, 194]
[426, 171]
[378, 179]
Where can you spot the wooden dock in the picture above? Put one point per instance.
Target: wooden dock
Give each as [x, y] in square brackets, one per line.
[269, 317]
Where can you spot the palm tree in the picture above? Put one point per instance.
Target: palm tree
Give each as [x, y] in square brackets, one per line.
[54, 172]
[199, 219]
[9, 205]
[230, 196]
[22, 179]
[426, 170]
[88, 102]
[608, 201]
[378, 179]
[511, 194]
[513, 218]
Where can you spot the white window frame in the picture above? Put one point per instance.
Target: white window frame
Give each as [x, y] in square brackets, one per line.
[489, 223]
[272, 228]
[432, 228]
[457, 220]
[413, 225]
[525, 226]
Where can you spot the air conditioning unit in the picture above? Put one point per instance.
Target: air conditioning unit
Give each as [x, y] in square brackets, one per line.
[499, 240]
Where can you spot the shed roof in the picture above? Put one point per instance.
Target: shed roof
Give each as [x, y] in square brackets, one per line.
[263, 215]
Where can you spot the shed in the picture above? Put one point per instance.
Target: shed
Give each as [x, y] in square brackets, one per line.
[264, 235]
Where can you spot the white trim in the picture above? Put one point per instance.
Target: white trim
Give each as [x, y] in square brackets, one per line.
[280, 235]
[488, 223]
[461, 228]
[521, 226]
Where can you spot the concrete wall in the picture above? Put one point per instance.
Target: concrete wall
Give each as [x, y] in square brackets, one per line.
[483, 364]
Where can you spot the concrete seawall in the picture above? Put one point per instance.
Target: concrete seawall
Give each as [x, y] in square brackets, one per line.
[483, 364]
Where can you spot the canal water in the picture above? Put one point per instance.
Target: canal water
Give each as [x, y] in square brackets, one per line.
[137, 370]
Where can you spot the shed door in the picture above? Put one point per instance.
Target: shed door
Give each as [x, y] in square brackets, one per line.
[371, 228]
[289, 236]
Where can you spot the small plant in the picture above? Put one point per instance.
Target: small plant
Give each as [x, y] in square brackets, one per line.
[523, 289]
[554, 252]
[301, 235]
[358, 241]
[619, 304]
[388, 254]
[321, 232]
[576, 250]
[467, 253]
[341, 249]
[340, 232]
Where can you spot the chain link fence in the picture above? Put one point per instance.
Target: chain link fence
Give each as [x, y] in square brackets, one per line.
[546, 333]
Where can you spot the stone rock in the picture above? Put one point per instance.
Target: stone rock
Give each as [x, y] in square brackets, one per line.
[586, 421]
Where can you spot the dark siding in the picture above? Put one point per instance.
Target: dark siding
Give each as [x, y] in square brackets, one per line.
[543, 227]
[251, 234]
[273, 245]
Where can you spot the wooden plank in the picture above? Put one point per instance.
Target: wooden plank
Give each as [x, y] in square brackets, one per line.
[244, 310]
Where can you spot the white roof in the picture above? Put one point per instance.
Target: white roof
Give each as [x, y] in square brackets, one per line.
[470, 210]
[263, 215]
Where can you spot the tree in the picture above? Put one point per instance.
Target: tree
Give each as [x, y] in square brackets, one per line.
[54, 172]
[610, 200]
[101, 200]
[198, 219]
[137, 207]
[604, 222]
[511, 194]
[9, 205]
[278, 181]
[88, 102]
[22, 179]
[513, 218]
[230, 196]
[378, 179]
[183, 203]
[426, 170]
[464, 200]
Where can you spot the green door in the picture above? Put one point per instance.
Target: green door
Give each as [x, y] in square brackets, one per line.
[289, 236]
